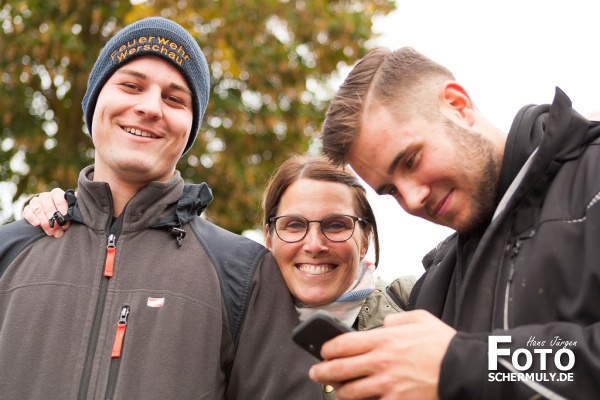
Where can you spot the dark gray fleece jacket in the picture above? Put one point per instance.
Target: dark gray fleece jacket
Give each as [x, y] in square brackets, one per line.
[157, 304]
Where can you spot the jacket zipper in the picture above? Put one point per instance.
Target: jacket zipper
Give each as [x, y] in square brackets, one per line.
[514, 251]
[537, 387]
[117, 350]
[120, 334]
[109, 264]
[97, 321]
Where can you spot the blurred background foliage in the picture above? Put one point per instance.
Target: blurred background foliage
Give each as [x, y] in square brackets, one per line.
[271, 63]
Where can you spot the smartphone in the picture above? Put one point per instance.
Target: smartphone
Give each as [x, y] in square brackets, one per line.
[318, 329]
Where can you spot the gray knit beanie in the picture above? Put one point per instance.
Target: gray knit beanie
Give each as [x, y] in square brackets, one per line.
[155, 36]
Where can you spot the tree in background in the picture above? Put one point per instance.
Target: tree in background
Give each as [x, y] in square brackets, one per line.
[270, 60]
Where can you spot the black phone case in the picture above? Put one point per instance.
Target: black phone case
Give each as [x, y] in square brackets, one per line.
[318, 329]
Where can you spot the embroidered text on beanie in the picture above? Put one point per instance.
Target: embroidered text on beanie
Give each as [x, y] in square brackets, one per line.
[155, 36]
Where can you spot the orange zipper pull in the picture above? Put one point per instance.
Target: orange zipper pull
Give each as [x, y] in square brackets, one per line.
[109, 265]
[121, 327]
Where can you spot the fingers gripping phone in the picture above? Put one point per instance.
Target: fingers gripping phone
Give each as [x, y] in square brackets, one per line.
[318, 329]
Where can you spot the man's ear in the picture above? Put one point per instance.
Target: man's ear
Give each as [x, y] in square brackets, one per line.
[456, 103]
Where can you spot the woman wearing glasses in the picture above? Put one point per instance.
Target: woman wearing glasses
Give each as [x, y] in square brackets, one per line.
[318, 224]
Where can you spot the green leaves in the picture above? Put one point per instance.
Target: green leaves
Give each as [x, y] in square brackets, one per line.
[270, 63]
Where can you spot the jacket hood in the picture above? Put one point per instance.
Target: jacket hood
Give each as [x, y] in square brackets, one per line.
[193, 201]
[534, 122]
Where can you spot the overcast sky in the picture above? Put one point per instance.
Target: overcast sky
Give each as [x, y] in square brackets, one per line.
[506, 54]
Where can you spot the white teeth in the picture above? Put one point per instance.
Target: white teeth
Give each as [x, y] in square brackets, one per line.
[137, 132]
[312, 270]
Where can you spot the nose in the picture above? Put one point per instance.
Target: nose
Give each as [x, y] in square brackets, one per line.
[412, 196]
[150, 103]
[314, 241]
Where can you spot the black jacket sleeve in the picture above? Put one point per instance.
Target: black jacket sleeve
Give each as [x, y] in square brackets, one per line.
[14, 237]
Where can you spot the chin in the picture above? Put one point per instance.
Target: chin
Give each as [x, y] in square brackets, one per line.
[315, 301]
[141, 169]
[471, 227]
[461, 227]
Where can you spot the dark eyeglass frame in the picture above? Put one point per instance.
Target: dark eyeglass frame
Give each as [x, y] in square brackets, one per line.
[354, 219]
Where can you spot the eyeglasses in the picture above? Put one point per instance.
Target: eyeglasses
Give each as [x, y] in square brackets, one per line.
[337, 228]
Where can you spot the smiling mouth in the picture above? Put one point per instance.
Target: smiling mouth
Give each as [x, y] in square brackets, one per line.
[315, 270]
[138, 132]
[441, 204]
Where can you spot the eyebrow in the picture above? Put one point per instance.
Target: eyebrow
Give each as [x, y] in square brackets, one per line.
[141, 75]
[391, 169]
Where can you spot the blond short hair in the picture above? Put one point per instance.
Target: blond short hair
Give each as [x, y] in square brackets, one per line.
[382, 77]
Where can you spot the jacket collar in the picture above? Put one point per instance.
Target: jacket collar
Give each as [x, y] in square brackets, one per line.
[556, 133]
[157, 204]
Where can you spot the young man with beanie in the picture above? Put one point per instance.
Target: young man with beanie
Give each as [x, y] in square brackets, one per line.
[509, 306]
[143, 298]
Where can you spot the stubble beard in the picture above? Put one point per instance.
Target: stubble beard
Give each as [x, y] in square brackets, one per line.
[481, 164]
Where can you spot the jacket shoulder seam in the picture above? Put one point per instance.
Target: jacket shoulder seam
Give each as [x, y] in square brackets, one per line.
[235, 260]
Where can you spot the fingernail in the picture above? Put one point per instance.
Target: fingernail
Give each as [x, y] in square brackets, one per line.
[58, 233]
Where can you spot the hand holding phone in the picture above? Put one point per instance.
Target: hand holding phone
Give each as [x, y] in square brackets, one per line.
[318, 329]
